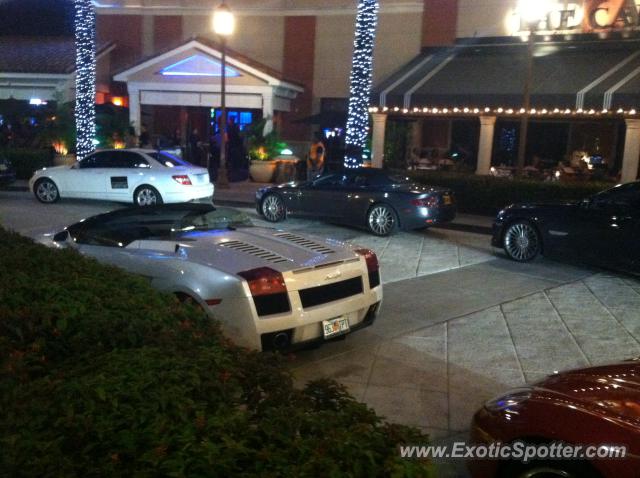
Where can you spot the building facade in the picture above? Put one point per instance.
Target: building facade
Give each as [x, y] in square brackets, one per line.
[293, 59]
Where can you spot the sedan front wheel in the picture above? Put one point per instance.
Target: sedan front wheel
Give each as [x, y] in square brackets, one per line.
[521, 241]
[46, 191]
[273, 208]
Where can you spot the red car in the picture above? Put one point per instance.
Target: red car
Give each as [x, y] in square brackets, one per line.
[595, 406]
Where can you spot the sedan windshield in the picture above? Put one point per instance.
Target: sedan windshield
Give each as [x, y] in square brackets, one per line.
[120, 228]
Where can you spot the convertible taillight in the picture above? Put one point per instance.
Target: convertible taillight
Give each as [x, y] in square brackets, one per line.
[264, 281]
[430, 201]
[268, 290]
[182, 179]
[373, 267]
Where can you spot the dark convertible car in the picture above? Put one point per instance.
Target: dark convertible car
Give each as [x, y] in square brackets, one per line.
[361, 197]
[602, 230]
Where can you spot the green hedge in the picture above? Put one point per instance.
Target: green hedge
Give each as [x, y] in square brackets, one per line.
[26, 161]
[102, 376]
[487, 195]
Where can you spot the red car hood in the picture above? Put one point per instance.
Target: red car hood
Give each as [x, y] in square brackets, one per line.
[613, 389]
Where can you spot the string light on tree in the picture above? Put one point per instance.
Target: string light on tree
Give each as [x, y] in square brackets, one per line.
[85, 31]
[360, 82]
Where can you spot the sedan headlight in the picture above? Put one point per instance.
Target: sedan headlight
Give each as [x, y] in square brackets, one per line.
[511, 399]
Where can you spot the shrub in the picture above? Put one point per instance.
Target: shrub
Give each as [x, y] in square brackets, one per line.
[487, 195]
[100, 375]
[26, 161]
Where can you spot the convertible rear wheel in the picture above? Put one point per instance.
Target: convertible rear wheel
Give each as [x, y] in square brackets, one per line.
[46, 191]
[146, 196]
[521, 241]
[273, 208]
[382, 220]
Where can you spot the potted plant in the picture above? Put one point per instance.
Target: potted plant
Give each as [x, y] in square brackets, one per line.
[262, 151]
[60, 134]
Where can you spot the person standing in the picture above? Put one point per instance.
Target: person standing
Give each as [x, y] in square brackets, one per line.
[144, 139]
[130, 138]
[315, 160]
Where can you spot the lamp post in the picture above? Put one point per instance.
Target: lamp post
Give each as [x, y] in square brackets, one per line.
[223, 26]
[532, 12]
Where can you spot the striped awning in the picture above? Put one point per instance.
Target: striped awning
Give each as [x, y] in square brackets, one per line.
[578, 74]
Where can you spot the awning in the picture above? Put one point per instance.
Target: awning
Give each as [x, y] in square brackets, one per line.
[589, 73]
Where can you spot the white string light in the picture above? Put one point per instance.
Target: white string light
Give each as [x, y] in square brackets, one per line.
[360, 82]
[85, 111]
[472, 111]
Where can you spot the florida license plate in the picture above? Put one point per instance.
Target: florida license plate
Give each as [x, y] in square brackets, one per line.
[335, 327]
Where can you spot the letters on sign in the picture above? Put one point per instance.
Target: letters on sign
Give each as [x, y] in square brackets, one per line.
[587, 16]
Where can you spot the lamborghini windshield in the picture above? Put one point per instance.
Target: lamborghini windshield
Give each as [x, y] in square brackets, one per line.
[168, 222]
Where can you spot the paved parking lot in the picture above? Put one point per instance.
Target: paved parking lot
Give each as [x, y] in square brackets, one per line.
[459, 323]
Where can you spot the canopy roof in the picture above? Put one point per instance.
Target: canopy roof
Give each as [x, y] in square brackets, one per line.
[578, 74]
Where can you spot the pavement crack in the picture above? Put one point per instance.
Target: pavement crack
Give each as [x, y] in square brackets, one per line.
[513, 343]
[614, 316]
[566, 327]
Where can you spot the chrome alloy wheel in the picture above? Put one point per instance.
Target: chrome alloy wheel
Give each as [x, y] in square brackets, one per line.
[521, 242]
[147, 197]
[46, 191]
[273, 208]
[381, 220]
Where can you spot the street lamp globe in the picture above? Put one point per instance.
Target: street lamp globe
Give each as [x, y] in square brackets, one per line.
[533, 12]
[224, 23]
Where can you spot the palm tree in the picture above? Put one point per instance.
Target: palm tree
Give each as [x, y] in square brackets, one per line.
[360, 83]
[85, 112]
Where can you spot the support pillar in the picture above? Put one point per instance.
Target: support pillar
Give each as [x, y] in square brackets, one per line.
[267, 113]
[485, 147]
[631, 156]
[135, 117]
[416, 136]
[377, 141]
[147, 35]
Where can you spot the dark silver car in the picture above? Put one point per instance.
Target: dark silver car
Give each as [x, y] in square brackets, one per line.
[372, 198]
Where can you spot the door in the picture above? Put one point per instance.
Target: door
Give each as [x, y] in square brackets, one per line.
[87, 179]
[325, 197]
[609, 224]
[126, 171]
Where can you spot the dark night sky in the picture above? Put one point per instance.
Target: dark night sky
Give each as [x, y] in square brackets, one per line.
[36, 17]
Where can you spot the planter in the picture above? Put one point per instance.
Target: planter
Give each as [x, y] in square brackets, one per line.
[64, 160]
[286, 169]
[262, 171]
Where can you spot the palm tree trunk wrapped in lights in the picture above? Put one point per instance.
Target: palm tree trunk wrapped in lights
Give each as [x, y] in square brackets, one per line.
[85, 112]
[360, 83]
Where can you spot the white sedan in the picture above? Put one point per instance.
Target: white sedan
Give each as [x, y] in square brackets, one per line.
[142, 176]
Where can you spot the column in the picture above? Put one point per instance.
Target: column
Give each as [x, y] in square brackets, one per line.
[631, 151]
[147, 35]
[416, 136]
[485, 147]
[377, 142]
[267, 112]
[134, 110]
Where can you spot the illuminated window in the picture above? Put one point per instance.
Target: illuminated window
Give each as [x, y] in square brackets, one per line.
[241, 118]
[198, 65]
